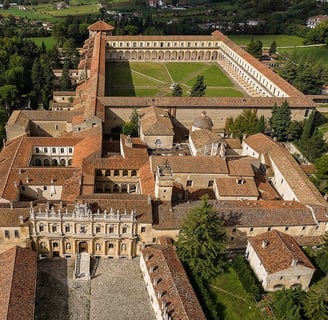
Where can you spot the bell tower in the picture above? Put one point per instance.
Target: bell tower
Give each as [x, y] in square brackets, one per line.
[164, 182]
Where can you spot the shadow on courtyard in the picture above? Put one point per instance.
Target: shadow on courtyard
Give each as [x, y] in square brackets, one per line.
[118, 81]
[51, 300]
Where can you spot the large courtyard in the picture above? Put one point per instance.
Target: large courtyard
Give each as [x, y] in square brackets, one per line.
[144, 79]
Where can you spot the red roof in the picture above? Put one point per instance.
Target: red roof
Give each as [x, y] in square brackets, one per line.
[100, 26]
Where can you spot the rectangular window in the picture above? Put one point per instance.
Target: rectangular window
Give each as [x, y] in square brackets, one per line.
[124, 230]
[16, 233]
[210, 183]
[97, 229]
[70, 150]
[189, 183]
[54, 228]
[111, 229]
[154, 240]
[303, 228]
[45, 188]
[37, 150]
[234, 229]
[45, 150]
[143, 229]
[53, 150]
[41, 228]
[67, 228]
[7, 235]
[286, 228]
[251, 229]
[61, 150]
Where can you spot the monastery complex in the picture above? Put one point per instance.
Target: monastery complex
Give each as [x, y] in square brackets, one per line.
[67, 188]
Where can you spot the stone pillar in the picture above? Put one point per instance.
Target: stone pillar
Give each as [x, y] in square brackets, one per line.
[118, 248]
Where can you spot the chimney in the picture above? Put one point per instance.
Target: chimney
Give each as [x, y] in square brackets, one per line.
[265, 243]
[21, 219]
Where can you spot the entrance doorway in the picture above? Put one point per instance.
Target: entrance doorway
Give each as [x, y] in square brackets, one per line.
[83, 246]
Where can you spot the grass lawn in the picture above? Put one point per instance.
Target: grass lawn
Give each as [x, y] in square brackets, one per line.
[154, 79]
[235, 301]
[48, 41]
[318, 53]
[282, 40]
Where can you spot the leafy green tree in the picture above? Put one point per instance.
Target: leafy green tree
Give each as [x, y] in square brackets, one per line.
[177, 90]
[308, 128]
[255, 48]
[286, 304]
[201, 241]
[131, 127]
[8, 95]
[314, 147]
[321, 177]
[273, 48]
[315, 303]
[280, 121]
[295, 130]
[65, 82]
[246, 123]
[288, 71]
[198, 89]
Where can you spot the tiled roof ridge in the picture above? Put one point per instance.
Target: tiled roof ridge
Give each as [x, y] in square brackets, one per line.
[11, 165]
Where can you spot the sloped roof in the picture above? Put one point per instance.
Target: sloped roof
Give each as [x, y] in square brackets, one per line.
[202, 137]
[178, 293]
[278, 251]
[100, 26]
[18, 269]
[155, 121]
[229, 187]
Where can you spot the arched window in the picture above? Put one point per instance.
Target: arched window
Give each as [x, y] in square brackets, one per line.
[107, 173]
[125, 173]
[98, 173]
[133, 173]
[123, 247]
[46, 162]
[38, 162]
[54, 162]
[110, 246]
[63, 162]
[55, 245]
[41, 227]
[116, 173]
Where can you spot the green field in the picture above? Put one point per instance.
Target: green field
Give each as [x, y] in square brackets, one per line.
[154, 79]
[48, 41]
[236, 303]
[318, 53]
[282, 40]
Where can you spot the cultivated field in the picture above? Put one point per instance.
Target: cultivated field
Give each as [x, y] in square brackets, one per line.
[282, 40]
[154, 79]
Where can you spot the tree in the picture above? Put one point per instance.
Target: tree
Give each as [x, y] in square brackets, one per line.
[273, 48]
[321, 175]
[246, 123]
[198, 90]
[295, 130]
[286, 304]
[201, 241]
[315, 303]
[131, 127]
[280, 121]
[65, 82]
[314, 147]
[255, 48]
[308, 129]
[177, 90]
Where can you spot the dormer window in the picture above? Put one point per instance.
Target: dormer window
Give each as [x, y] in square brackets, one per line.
[240, 181]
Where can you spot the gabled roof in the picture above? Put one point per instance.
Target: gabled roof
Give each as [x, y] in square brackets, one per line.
[155, 121]
[18, 268]
[278, 251]
[100, 26]
[175, 288]
[203, 137]
[235, 187]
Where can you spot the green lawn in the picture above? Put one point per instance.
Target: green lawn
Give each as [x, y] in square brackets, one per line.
[236, 303]
[318, 53]
[48, 41]
[154, 79]
[282, 40]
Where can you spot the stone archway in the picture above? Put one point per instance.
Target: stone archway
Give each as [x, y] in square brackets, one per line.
[83, 246]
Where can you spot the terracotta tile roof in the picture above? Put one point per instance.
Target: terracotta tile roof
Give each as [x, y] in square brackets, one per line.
[202, 137]
[241, 167]
[241, 214]
[229, 187]
[298, 181]
[177, 292]
[18, 269]
[191, 164]
[139, 203]
[155, 121]
[11, 217]
[233, 143]
[137, 152]
[267, 192]
[100, 26]
[158, 38]
[147, 180]
[278, 251]
[280, 82]
[19, 118]
[208, 102]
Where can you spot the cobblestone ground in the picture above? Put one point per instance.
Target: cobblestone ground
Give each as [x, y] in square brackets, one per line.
[118, 292]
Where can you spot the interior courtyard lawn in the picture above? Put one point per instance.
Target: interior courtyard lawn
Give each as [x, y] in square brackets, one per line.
[154, 79]
[236, 303]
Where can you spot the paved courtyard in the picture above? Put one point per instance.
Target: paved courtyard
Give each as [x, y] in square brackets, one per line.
[117, 292]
